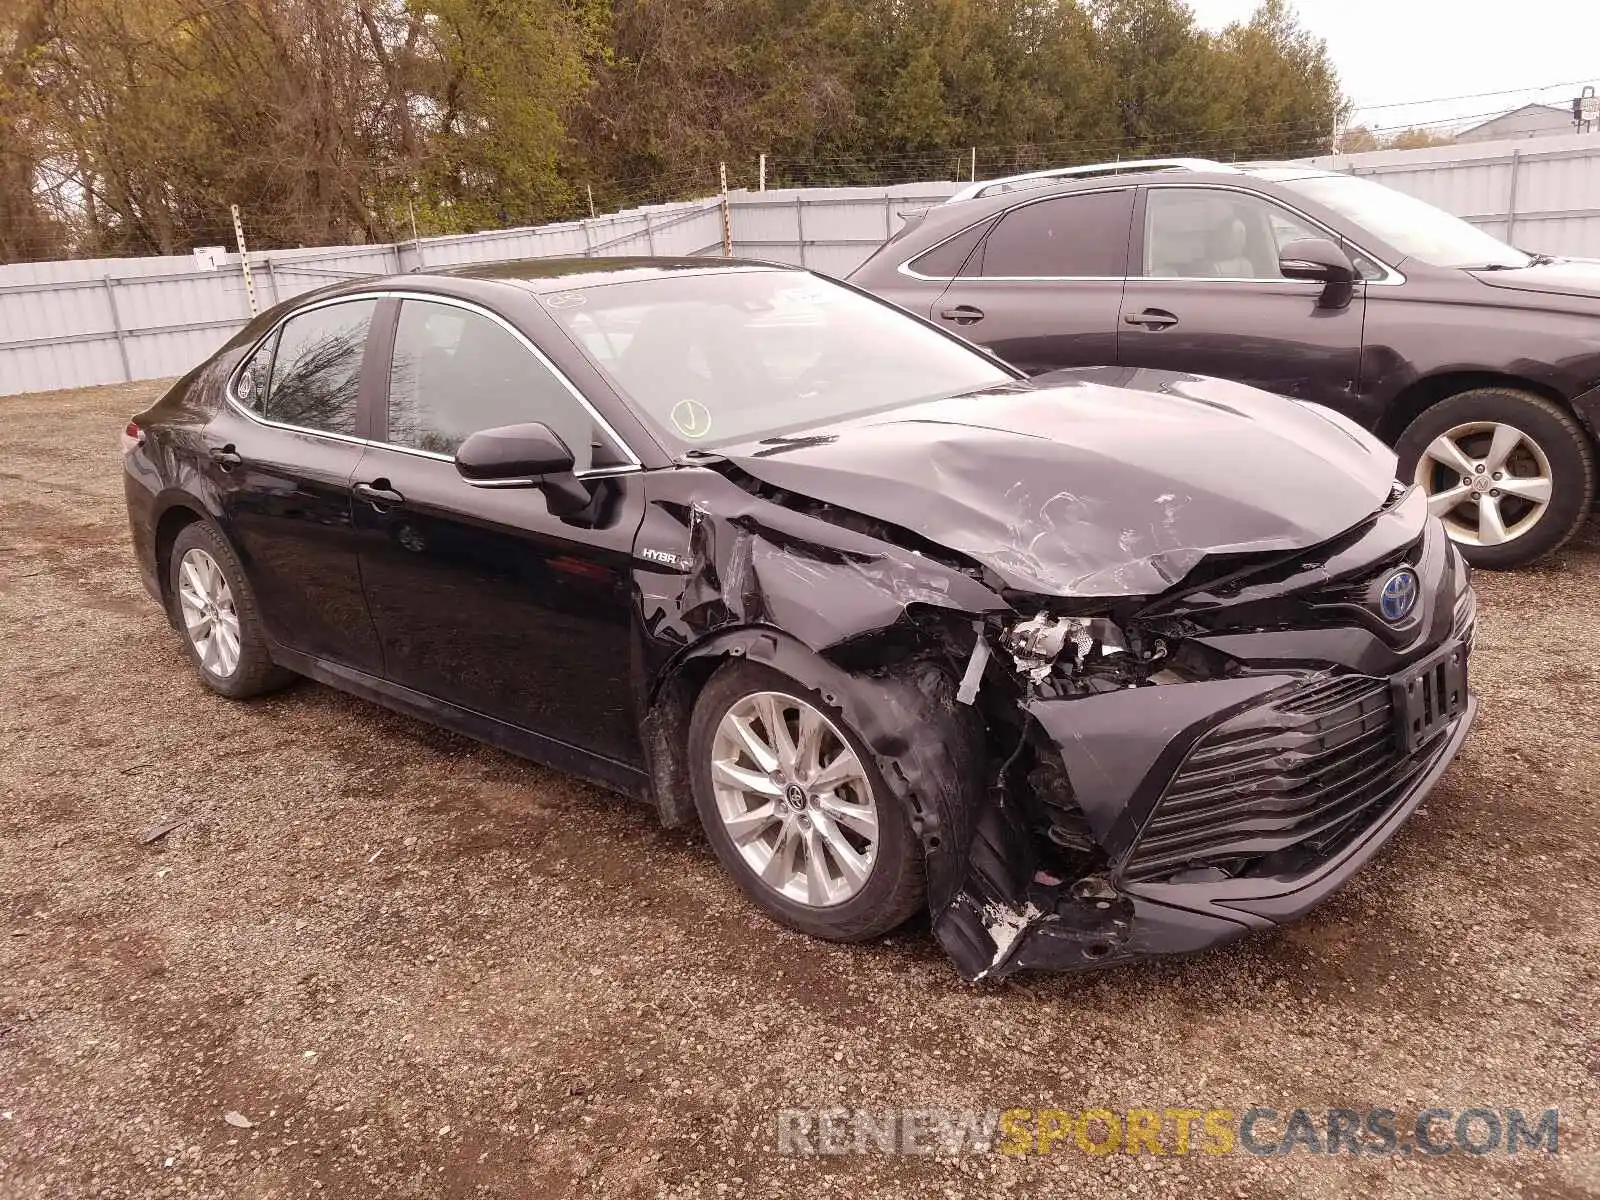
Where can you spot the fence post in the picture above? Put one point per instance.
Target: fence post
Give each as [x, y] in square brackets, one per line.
[272, 281]
[800, 227]
[727, 212]
[244, 260]
[1511, 198]
[762, 184]
[649, 233]
[116, 324]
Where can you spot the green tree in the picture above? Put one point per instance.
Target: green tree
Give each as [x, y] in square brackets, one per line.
[338, 120]
[1279, 92]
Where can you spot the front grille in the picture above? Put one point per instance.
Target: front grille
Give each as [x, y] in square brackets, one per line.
[1305, 770]
[1358, 589]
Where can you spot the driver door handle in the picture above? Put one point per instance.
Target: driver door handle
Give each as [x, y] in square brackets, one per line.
[1152, 319]
[962, 314]
[226, 457]
[379, 494]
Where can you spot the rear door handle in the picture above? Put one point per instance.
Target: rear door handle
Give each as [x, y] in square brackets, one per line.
[962, 314]
[226, 457]
[1152, 319]
[379, 494]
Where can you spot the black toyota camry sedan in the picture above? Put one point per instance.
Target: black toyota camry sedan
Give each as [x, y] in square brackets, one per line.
[1108, 663]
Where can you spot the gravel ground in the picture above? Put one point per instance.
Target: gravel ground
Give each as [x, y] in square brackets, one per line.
[419, 967]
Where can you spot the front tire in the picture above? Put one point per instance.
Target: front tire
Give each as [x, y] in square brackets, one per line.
[1511, 474]
[217, 615]
[796, 810]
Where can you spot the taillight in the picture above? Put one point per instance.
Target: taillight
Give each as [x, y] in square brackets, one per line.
[132, 437]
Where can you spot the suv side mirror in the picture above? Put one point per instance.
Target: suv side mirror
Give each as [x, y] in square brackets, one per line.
[523, 456]
[1317, 260]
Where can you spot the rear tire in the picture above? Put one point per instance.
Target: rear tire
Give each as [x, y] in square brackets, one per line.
[1511, 474]
[217, 616]
[801, 865]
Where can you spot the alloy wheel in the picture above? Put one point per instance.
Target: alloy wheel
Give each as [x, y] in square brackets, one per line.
[1489, 482]
[794, 799]
[209, 616]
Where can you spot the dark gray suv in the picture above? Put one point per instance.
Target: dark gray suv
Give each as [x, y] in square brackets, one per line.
[1478, 362]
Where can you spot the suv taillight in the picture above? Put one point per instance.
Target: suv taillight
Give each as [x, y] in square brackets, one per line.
[132, 437]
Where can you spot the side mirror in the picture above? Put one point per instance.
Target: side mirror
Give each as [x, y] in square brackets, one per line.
[523, 456]
[1317, 260]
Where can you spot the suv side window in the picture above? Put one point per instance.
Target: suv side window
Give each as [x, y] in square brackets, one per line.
[1083, 235]
[316, 372]
[953, 258]
[1208, 233]
[456, 371]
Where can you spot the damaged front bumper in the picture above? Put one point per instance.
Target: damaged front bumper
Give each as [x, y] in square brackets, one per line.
[1169, 818]
[1202, 869]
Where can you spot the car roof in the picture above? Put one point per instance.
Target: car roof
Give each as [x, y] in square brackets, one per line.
[1273, 172]
[544, 275]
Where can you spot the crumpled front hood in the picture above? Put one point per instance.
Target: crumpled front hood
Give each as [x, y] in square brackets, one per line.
[1105, 482]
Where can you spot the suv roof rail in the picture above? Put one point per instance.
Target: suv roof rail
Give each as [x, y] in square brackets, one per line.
[1013, 183]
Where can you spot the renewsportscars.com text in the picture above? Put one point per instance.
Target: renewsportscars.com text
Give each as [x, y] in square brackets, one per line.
[1431, 1132]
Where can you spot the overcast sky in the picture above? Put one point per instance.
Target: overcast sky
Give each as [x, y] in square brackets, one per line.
[1389, 51]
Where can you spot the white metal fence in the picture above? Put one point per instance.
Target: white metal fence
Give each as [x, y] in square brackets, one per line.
[1538, 194]
[70, 324]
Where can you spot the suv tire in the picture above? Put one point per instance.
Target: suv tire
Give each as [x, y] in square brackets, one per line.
[1462, 447]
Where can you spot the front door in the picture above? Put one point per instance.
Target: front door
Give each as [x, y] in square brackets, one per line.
[1042, 289]
[1204, 294]
[481, 597]
[282, 479]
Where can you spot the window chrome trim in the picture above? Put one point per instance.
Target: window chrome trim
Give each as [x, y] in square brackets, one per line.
[905, 267]
[634, 463]
[417, 452]
[1391, 276]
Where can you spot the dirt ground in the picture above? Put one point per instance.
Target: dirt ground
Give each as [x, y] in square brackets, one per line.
[419, 967]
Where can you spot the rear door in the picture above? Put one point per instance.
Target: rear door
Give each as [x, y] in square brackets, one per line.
[1043, 289]
[1204, 294]
[280, 458]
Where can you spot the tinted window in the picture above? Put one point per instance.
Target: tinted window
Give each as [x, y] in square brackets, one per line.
[727, 356]
[1195, 233]
[316, 373]
[1070, 235]
[946, 261]
[456, 371]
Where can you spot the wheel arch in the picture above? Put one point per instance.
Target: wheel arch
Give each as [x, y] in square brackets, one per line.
[677, 687]
[176, 515]
[928, 748]
[1422, 394]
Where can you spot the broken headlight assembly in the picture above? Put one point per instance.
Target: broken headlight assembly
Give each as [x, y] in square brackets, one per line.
[1058, 655]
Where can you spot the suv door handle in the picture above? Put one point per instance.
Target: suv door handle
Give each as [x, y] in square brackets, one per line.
[962, 314]
[379, 494]
[1152, 319]
[226, 457]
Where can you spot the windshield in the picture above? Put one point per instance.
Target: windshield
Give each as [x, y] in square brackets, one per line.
[1414, 227]
[735, 356]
